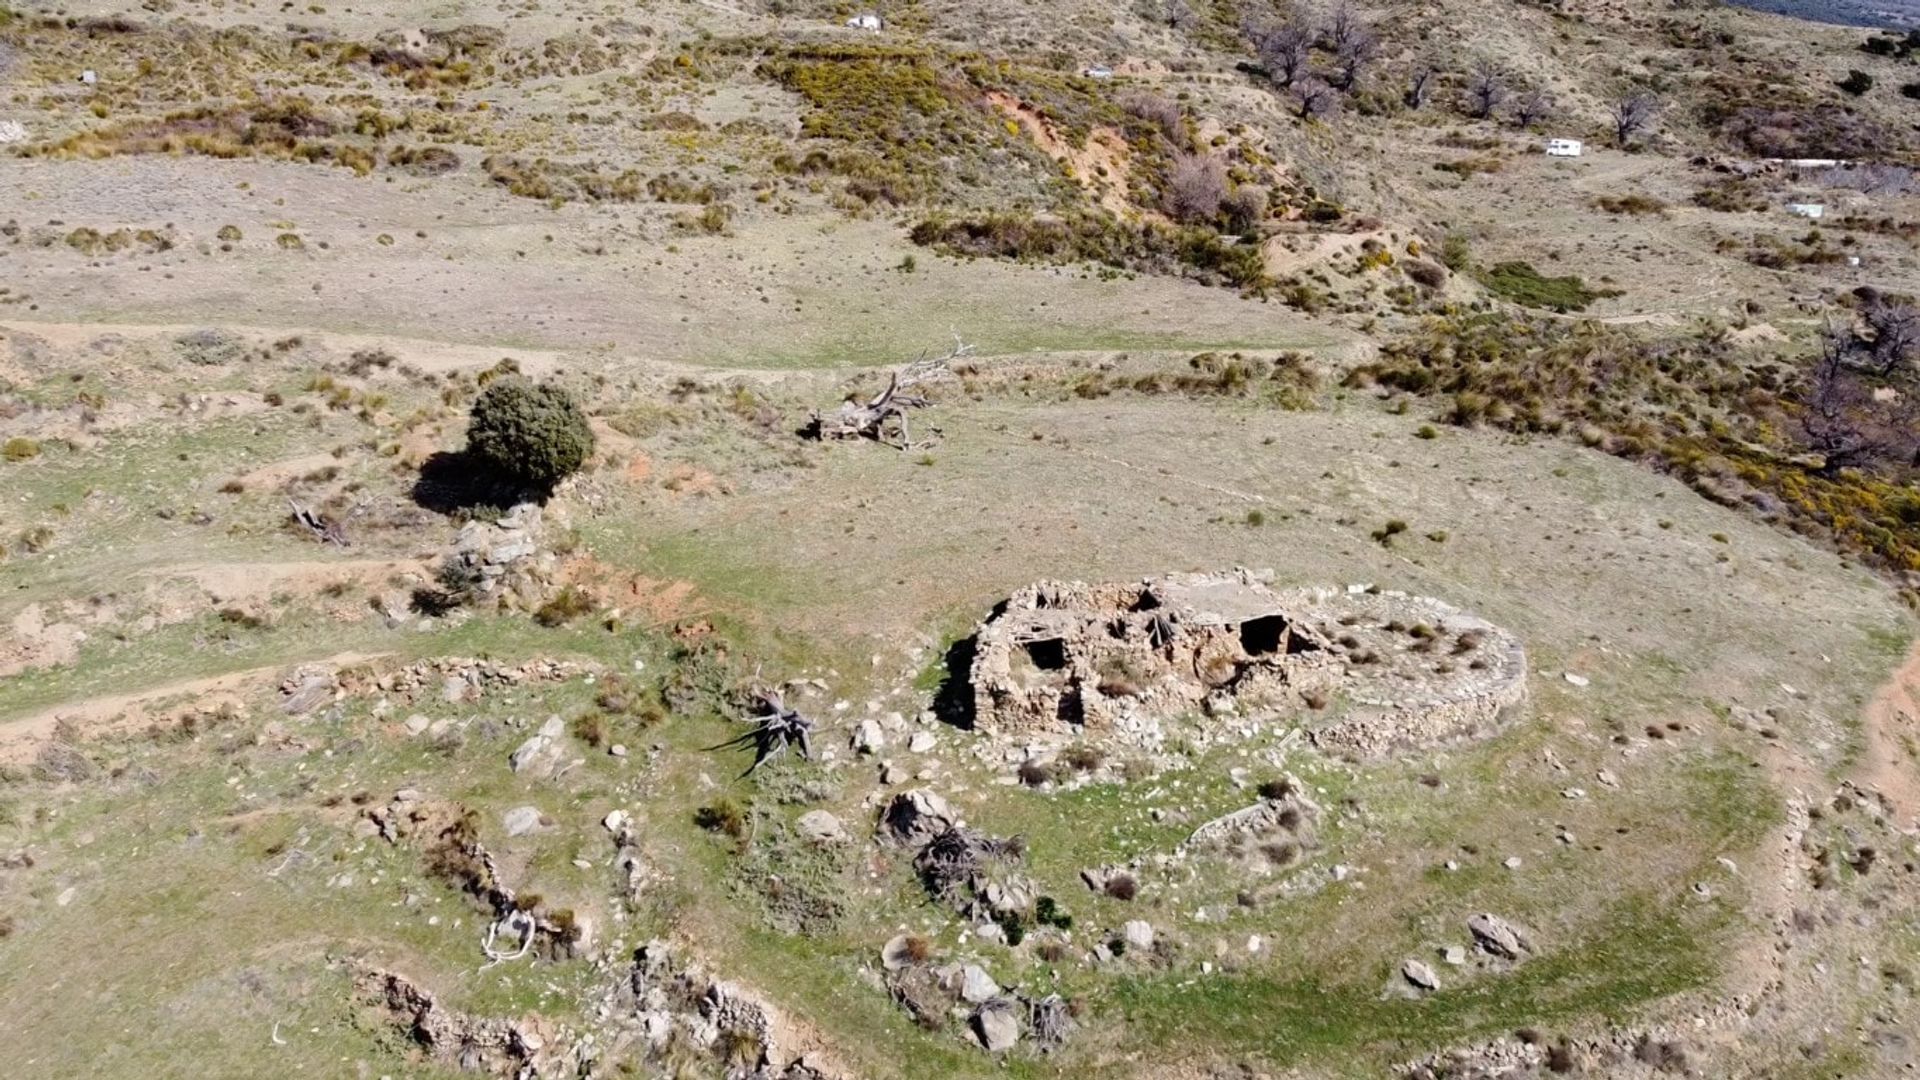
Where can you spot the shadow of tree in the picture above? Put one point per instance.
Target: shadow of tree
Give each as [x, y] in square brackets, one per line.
[458, 484]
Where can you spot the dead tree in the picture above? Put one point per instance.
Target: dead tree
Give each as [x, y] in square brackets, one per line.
[1486, 89]
[1355, 46]
[1532, 107]
[1631, 114]
[856, 419]
[1835, 402]
[1285, 51]
[775, 728]
[1419, 85]
[1894, 334]
[1317, 99]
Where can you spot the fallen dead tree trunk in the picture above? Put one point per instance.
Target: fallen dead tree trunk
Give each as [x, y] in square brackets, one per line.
[857, 419]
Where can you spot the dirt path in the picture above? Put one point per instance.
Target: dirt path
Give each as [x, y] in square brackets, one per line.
[20, 739]
[1891, 765]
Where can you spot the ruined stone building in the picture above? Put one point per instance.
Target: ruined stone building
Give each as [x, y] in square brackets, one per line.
[1063, 658]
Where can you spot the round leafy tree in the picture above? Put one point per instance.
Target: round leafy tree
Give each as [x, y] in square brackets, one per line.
[533, 433]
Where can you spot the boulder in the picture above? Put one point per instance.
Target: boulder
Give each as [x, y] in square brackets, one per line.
[521, 820]
[921, 742]
[897, 953]
[1496, 936]
[821, 827]
[309, 692]
[976, 986]
[997, 1025]
[916, 816]
[1138, 934]
[868, 738]
[1420, 975]
[527, 753]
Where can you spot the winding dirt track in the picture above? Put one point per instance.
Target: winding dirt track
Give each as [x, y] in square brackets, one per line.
[20, 739]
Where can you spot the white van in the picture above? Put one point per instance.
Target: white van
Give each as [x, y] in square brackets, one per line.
[1564, 148]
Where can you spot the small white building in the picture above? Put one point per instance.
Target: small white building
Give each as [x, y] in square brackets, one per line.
[1811, 210]
[868, 22]
[1565, 148]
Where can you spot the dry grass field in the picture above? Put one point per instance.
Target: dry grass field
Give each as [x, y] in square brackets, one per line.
[304, 725]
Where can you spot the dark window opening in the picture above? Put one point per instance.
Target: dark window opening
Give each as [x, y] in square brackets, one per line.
[1048, 655]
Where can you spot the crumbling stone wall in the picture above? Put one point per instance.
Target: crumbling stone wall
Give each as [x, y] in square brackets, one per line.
[1064, 658]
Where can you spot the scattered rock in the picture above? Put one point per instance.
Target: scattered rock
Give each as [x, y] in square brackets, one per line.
[522, 820]
[921, 742]
[897, 953]
[1420, 975]
[1496, 936]
[1454, 955]
[617, 821]
[916, 816]
[976, 986]
[997, 1025]
[1576, 680]
[1138, 934]
[868, 738]
[306, 690]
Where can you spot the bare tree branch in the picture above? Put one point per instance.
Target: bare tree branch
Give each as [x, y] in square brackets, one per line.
[1532, 107]
[1419, 86]
[1486, 89]
[1631, 115]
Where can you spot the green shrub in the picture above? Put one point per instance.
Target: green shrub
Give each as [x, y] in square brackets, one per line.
[20, 448]
[533, 433]
[563, 607]
[1520, 283]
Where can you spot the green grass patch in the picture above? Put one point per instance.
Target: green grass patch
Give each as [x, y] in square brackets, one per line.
[1520, 283]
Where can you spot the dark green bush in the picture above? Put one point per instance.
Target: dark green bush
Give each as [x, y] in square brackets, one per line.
[533, 433]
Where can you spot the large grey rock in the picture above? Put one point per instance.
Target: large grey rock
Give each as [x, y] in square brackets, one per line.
[997, 1025]
[1420, 975]
[976, 986]
[313, 691]
[897, 953]
[1138, 934]
[1496, 935]
[821, 827]
[868, 738]
[528, 753]
[521, 820]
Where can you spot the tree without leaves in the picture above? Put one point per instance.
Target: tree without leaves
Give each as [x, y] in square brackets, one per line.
[1894, 334]
[1631, 115]
[1179, 14]
[1356, 50]
[1532, 107]
[1315, 97]
[1419, 85]
[1195, 186]
[1284, 52]
[1486, 89]
[1835, 404]
[1343, 27]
